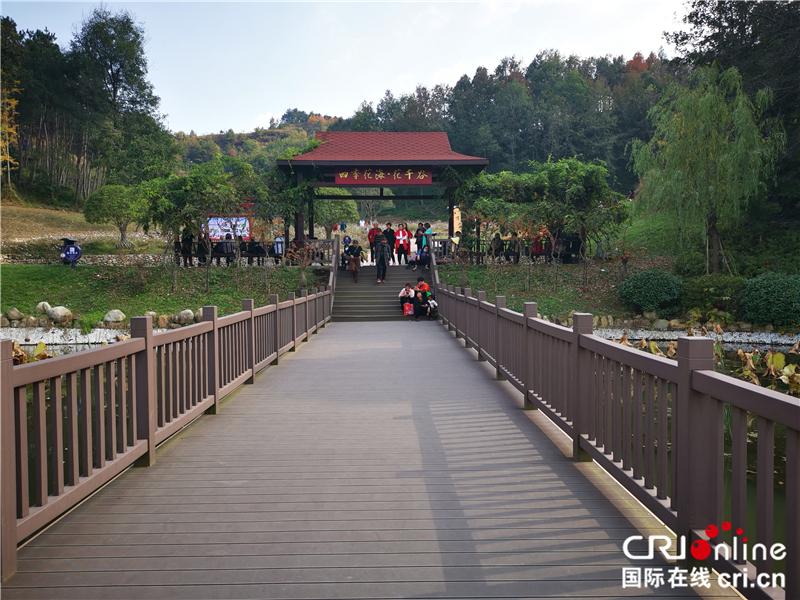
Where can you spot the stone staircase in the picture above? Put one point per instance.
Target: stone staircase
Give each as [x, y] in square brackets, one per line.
[368, 300]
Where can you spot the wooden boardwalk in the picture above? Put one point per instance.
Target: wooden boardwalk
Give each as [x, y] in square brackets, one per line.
[379, 461]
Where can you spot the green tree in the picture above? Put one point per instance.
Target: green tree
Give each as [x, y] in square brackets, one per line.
[328, 213]
[708, 157]
[117, 205]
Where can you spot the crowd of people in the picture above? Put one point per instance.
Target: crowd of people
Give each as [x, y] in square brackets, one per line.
[418, 301]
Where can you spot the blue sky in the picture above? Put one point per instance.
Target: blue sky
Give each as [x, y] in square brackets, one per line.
[232, 65]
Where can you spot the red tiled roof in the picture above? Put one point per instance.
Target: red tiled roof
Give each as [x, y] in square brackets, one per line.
[375, 147]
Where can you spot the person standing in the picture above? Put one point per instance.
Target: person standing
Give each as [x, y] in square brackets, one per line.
[402, 243]
[419, 236]
[355, 252]
[382, 254]
[203, 248]
[278, 246]
[427, 239]
[187, 241]
[371, 234]
[390, 234]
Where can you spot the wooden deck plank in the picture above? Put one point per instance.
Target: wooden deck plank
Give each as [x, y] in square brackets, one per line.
[430, 483]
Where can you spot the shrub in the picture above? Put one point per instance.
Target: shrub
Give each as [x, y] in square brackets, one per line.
[690, 264]
[771, 298]
[651, 290]
[715, 291]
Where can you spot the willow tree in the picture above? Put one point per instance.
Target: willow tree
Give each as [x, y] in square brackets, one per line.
[708, 157]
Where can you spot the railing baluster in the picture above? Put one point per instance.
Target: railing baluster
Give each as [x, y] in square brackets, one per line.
[616, 405]
[73, 454]
[111, 412]
[56, 438]
[122, 417]
[608, 406]
[662, 441]
[637, 424]
[649, 431]
[626, 417]
[22, 467]
[739, 468]
[87, 461]
[39, 444]
[765, 500]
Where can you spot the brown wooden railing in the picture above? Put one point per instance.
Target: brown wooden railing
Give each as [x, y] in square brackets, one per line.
[72, 423]
[656, 425]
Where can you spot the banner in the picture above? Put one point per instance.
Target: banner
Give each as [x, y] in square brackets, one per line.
[218, 227]
[384, 176]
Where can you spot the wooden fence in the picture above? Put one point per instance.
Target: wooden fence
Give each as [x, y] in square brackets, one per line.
[656, 425]
[72, 423]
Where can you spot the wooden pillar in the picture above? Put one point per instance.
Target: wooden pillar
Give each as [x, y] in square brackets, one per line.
[298, 227]
[145, 380]
[451, 222]
[311, 215]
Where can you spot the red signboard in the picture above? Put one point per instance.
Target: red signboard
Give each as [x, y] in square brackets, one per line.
[384, 176]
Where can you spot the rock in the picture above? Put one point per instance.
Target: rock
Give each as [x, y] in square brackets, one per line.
[651, 315]
[198, 316]
[745, 326]
[569, 321]
[769, 328]
[595, 321]
[4, 322]
[677, 325]
[41, 308]
[603, 322]
[114, 316]
[31, 322]
[610, 320]
[16, 324]
[163, 322]
[174, 326]
[661, 325]
[150, 313]
[13, 314]
[59, 314]
[184, 317]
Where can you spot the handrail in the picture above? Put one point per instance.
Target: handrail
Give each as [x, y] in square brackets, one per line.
[118, 402]
[654, 424]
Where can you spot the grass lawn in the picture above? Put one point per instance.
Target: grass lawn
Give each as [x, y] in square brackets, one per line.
[90, 292]
[556, 292]
[37, 232]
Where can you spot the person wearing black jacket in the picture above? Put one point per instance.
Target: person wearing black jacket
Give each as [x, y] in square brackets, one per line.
[421, 306]
[389, 233]
[382, 257]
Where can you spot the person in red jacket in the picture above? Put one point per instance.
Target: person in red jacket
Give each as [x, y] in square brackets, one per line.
[402, 243]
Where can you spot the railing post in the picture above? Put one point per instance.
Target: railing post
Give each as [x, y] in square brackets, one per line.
[212, 346]
[697, 441]
[249, 306]
[146, 410]
[466, 327]
[499, 302]
[315, 294]
[452, 321]
[8, 462]
[276, 331]
[291, 296]
[582, 393]
[529, 312]
[479, 329]
[304, 294]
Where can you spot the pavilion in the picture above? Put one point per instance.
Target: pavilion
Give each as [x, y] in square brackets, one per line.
[377, 159]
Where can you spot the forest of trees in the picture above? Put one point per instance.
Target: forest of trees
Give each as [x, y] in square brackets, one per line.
[78, 118]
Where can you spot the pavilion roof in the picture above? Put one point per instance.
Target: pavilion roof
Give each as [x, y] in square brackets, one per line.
[383, 148]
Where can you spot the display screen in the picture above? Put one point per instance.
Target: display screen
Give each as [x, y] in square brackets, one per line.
[219, 227]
